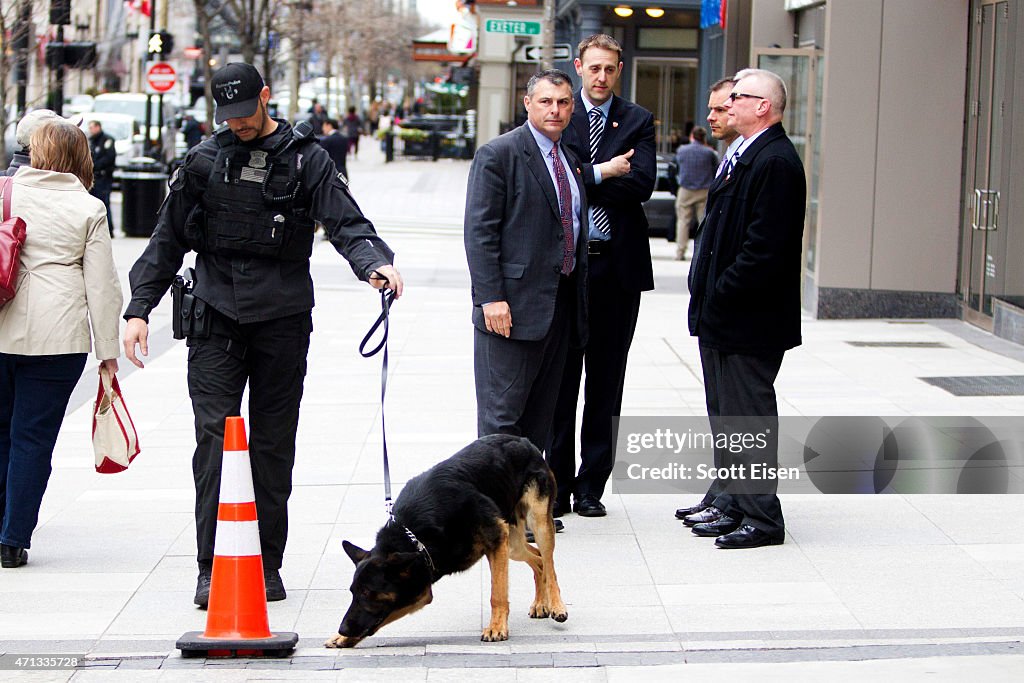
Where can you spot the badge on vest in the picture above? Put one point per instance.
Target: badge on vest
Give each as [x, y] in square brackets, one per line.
[254, 172]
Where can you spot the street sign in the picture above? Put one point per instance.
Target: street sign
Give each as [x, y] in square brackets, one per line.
[535, 53]
[161, 77]
[519, 28]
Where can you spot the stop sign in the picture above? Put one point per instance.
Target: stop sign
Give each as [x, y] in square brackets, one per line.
[161, 77]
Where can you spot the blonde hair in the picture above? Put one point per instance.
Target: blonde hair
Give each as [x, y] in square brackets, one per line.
[62, 147]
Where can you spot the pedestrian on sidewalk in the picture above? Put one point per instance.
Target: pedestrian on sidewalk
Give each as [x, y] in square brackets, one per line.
[718, 123]
[615, 139]
[353, 129]
[336, 145]
[257, 293]
[697, 164]
[317, 116]
[104, 157]
[23, 134]
[67, 286]
[745, 299]
[525, 236]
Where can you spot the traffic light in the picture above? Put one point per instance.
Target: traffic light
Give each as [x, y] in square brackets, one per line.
[60, 12]
[161, 44]
[80, 55]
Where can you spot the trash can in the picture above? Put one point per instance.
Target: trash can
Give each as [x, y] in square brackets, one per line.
[143, 186]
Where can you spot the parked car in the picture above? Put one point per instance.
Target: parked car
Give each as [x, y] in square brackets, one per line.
[123, 128]
[78, 104]
[661, 207]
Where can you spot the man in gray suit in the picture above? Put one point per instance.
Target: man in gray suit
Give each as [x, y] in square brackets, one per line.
[527, 262]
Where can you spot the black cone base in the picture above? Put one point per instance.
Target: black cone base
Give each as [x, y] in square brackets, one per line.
[194, 644]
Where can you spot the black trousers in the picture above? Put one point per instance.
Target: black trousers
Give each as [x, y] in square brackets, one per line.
[613, 314]
[743, 386]
[271, 357]
[517, 380]
[101, 187]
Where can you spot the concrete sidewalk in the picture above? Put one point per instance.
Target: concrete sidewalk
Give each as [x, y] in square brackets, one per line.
[915, 585]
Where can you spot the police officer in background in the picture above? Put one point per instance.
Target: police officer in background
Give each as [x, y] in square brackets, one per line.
[104, 157]
[247, 200]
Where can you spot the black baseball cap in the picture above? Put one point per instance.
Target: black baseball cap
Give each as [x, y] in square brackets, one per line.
[236, 90]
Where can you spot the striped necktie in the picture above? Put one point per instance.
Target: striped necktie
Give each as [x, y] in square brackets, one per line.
[721, 166]
[601, 221]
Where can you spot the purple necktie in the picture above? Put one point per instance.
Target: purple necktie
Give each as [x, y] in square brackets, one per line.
[565, 209]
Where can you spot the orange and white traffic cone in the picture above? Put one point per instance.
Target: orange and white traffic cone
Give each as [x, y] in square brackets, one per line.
[236, 620]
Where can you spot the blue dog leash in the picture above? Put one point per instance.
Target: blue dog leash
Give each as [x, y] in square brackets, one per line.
[387, 297]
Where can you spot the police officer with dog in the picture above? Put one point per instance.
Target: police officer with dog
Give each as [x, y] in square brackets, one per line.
[247, 201]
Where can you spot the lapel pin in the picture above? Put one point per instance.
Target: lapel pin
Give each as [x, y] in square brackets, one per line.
[615, 124]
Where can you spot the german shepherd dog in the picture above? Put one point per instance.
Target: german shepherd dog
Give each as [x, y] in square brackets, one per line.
[475, 503]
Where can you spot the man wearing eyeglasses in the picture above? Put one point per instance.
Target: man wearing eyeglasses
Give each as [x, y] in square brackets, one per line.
[721, 130]
[745, 301]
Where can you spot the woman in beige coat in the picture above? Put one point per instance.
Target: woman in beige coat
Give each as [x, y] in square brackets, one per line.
[67, 283]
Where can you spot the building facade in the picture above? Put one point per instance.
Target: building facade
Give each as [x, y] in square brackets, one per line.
[904, 112]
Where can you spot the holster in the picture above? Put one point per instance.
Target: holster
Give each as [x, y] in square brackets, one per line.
[191, 317]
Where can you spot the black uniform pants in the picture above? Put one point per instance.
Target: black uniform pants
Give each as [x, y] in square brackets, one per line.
[613, 314]
[271, 357]
[742, 386]
[101, 187]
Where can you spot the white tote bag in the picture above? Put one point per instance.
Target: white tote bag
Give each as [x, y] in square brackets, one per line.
[114, 439]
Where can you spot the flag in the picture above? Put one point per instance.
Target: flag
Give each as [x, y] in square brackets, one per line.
[140, 6]
[712, 12]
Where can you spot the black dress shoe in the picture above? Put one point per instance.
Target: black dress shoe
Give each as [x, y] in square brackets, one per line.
[202, 598]
[721, 526]
[559, 527]
[748, 537]
[12, 556]
[692, 510]
[703, 517]
[560, 509]
[274, 585]
[589, 506]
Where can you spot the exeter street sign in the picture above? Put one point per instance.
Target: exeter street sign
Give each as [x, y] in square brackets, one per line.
[535, 53]
[519, 28]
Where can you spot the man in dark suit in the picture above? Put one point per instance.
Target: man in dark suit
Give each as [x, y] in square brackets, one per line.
[745, 299]
[722, 130]
[335, 143]
[615, 139]
[525, 241]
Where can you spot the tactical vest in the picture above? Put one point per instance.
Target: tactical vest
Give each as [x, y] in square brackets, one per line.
[254, 203]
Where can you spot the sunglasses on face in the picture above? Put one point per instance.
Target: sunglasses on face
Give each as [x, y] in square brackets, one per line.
[733, 96]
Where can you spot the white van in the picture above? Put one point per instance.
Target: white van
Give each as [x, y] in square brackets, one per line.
[134, 104]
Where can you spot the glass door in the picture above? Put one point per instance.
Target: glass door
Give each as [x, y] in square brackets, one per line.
[983, 237]
[668, 89]
[802, 69]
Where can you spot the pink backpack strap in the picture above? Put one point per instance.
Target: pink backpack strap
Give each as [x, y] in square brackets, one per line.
[5, 190]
